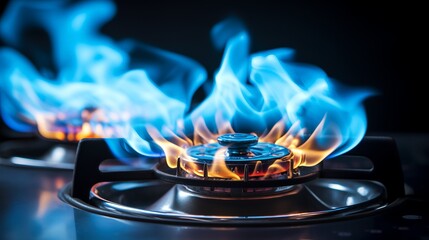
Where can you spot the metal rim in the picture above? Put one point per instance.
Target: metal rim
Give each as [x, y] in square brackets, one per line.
[65, 195]
[36, 163]
[103, 203]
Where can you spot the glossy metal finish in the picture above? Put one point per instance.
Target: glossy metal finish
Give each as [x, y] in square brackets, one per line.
[321, 198]
[31, 210]
[39, 154]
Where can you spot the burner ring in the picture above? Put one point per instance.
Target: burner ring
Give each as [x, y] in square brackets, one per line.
[104, 204]
[163, 172]
[307, 203]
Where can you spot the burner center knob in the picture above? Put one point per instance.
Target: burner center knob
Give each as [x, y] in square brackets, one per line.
[238, 143]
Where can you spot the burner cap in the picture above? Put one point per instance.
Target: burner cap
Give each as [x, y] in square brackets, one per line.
[238, 140]
[237, 147]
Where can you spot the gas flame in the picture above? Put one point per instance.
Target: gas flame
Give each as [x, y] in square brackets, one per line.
[91, 86]
[306, 154]
[293, 105]
[98, 87]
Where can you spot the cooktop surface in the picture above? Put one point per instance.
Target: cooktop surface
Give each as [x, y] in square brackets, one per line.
[31, 209]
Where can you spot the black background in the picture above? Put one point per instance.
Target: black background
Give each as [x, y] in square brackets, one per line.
[358, 43]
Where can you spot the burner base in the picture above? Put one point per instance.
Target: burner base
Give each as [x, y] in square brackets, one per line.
[318, 200]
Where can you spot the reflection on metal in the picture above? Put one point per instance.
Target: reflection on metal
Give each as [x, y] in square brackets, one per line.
[312, 200]
[48, 195]
[362, 191]
[37, 154]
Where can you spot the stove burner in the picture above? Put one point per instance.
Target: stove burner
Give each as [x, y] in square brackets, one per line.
[240, 152]
[38, 153]
[157, 195]
[245, 157]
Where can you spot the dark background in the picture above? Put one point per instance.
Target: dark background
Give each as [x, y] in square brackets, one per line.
[358, 43]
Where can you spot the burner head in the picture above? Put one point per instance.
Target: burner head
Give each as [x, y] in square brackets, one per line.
[238, 148]
[236, 156]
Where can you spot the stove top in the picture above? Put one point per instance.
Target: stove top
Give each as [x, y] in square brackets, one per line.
[32, 209]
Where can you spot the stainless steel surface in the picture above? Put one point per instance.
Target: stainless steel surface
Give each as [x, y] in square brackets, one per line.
[316, 199]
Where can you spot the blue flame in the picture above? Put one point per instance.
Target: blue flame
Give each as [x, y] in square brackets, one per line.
[124, 81]
[255, 91]
[133, 84]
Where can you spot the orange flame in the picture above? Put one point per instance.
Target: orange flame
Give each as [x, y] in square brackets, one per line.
[308, 153]
[219, 168]
[47, 125]
[172, 149]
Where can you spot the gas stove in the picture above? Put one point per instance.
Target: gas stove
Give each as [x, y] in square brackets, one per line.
[259, 197]
[102, 198]
[132, 141]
